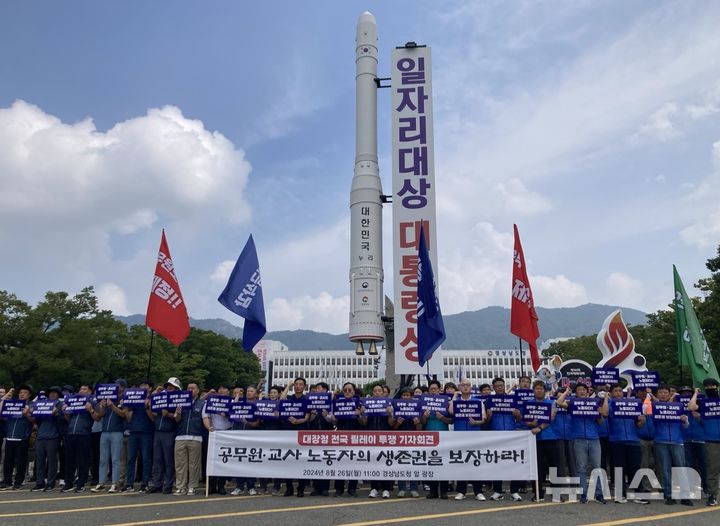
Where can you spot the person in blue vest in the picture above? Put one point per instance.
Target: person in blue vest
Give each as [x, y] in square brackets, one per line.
[3, 392]
[436, 422]
[586, 440]
[113, 415]
[549, 447]
[669, 447]
[78, 442]
[140, 442]
[711, 427]
[498, 421]
[624, 440]
[469, 424]
[17, 439]
[163, 471]
[564, 465]
[188, 444]
[47, 443]
[694, 438]
[318, 422]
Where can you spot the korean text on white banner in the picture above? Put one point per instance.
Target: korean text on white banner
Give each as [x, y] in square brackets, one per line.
[413, 197]
[373, 455]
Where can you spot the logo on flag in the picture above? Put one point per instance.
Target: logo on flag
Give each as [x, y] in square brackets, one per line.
[523, 318]
[243, 295]
[166, 312]
[430, 327]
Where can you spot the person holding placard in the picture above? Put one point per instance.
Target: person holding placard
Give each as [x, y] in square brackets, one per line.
[467, 423]
[113, 416]
[379, 422]
[694, 436]
[297, 423]
[503, 421]
[244, 424]
[668, 419]
[19, 424]
[624, 418]
[347, 416]
[399, 423]
[271, 424]
[217, 421]
[188, 443]
[436, 421]
[80, 412]
[709, 408]
[586, 413]
[163, 474]
[47, 440]
[539, 413]
[140, 441]
[319, 421]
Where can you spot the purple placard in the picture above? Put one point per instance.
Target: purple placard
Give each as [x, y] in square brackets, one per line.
[475, 390]
[434, 403]
[406, 408]
[667, 411]
[605, 376]
[293, 407]
[241, 410]
[159, 401]
[319, 402]
[585, 407]
[523, 395]
[181, 399]
[710, 408]
[266, 409]
[625, 408]
[134, 397]
[216, 404]
[344, 408]
[534, 411]
[644, 379]
[107, 392]
[501, 403]
[466, 409]
[44, 408]
[75, 404]
[12, 408]
[376, 406]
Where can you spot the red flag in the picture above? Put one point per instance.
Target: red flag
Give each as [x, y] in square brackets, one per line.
[166, 312]
[523, 318]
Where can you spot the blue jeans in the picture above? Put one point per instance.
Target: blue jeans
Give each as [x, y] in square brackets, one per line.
[111, 443]
[139, 443]
[587, 458]
[670, 456]
[402, 485]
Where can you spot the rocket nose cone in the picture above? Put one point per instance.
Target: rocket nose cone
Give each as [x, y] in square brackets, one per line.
[366, 29]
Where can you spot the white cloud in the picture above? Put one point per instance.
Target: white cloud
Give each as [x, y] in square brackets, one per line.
[112, 297]
[557, 291]
[704, 232]
[661, 126]
[222, 271]
[323, 313]
[624, 290]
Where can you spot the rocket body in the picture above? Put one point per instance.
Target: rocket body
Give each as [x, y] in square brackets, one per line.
[366, 271]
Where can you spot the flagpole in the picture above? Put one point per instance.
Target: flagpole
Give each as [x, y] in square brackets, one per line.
[522, 359]
[152, 338]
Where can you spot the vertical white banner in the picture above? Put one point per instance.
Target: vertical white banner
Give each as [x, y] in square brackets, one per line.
[413, 197]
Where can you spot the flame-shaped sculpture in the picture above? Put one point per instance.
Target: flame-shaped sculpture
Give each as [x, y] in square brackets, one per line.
[617, 345]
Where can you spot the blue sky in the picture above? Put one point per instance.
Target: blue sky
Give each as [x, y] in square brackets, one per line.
[595, 126]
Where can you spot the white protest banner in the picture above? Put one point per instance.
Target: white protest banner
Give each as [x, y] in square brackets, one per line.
[373, 455]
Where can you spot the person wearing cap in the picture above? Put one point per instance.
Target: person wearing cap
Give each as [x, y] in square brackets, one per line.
[17, 439]
[163, 470]
[113, 416]
[140, 442]
[188, 444]
[711, 427]
[47, 443]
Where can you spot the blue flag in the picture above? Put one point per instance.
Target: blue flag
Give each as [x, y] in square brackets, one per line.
[243, 295]
[430, 327]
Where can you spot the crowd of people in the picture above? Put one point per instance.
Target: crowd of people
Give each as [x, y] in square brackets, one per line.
[112, 447]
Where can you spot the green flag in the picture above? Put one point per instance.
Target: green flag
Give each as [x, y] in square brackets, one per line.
[693, 350]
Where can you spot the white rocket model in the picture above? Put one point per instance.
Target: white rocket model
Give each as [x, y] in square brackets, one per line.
[366, 272]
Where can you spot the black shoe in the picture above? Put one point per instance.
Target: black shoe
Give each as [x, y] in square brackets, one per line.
[712, 501]
[153, 490]
[443, 496]
[301, 493]
[669, 501]
[49, 488]
[38, 488]
[66, 489]
[352, 493]
[167, 491]
[314, 493]
[143, 489]
[431, 496]
[221, 491]
[686, 502]
[80, 489]
[339, 493]
[288, 493]
[327, 494]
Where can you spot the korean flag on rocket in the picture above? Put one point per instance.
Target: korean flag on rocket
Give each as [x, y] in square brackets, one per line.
[430, 326]
[243, 295]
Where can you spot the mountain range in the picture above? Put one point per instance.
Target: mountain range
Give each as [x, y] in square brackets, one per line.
[486, 328]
